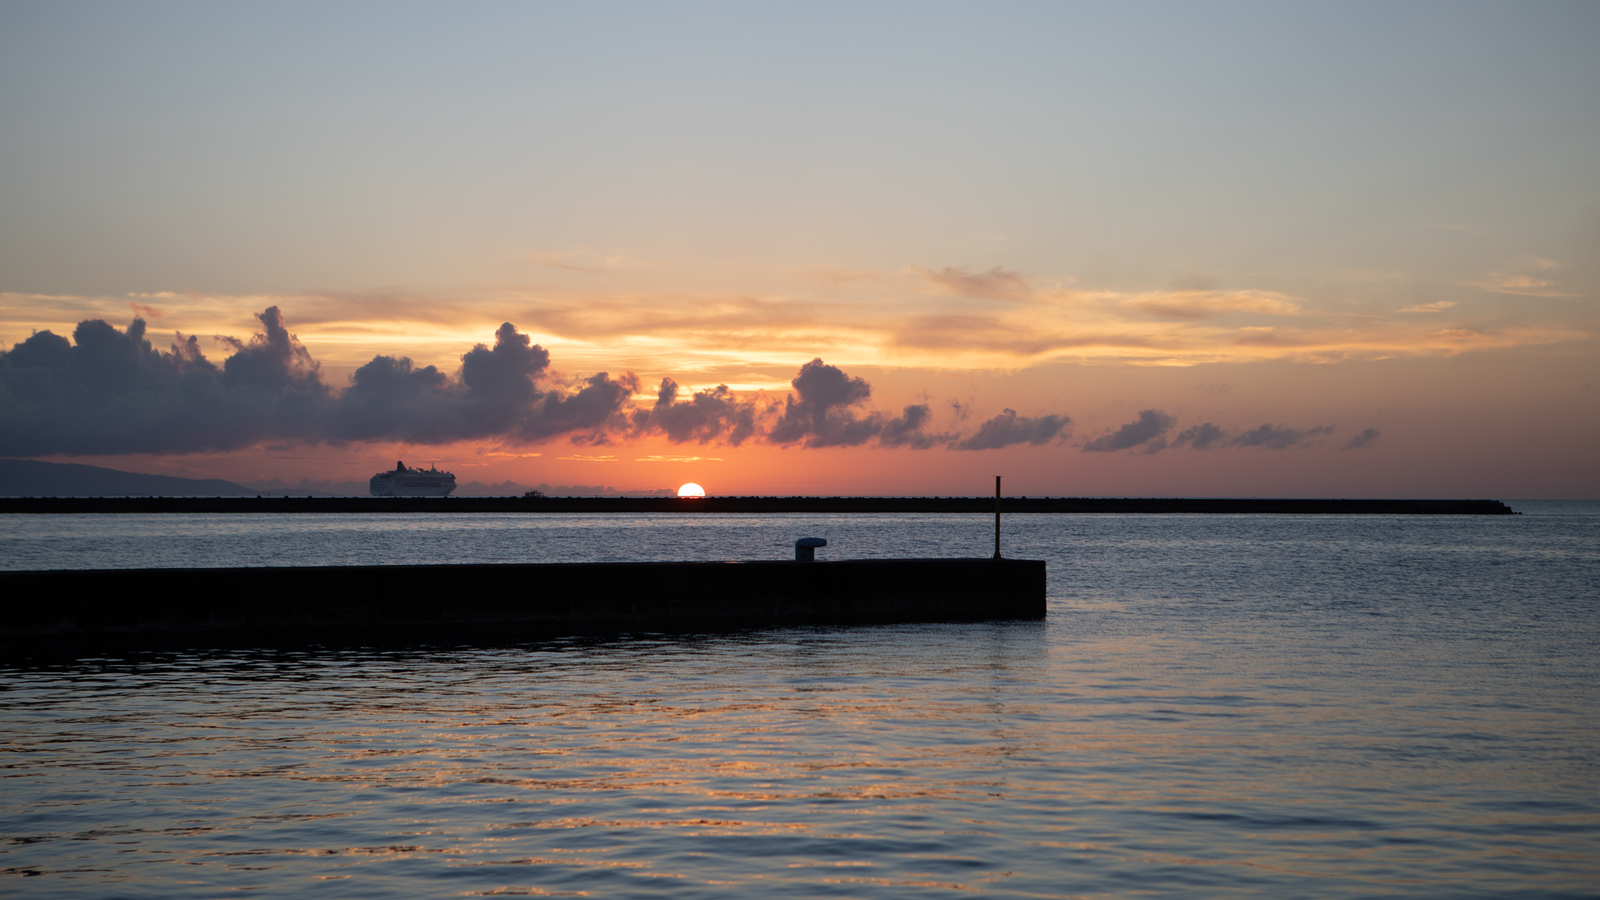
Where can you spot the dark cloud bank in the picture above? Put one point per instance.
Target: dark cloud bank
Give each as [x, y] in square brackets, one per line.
[1148, 434]
[111, 392]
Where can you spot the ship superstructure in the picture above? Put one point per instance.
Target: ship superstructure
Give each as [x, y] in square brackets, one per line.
[408, 482]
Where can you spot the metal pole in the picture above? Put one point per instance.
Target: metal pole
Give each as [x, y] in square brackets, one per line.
[997, 517]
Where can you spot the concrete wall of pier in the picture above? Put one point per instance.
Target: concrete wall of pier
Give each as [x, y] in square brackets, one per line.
[510, 600]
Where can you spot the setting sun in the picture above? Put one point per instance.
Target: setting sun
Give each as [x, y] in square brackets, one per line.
[691, 490]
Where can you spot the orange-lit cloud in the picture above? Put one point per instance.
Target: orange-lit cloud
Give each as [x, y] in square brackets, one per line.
[1526, 276]
[945, 318]
[1208, 304]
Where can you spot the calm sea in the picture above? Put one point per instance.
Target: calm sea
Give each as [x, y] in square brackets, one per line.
[1251, 705]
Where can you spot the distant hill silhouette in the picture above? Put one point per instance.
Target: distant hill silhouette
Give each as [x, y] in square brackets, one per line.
[31, 478]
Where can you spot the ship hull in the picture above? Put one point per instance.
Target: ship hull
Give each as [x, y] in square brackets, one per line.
[412, 486]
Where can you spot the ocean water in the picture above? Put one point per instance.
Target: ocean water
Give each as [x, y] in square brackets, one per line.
[1314, 706]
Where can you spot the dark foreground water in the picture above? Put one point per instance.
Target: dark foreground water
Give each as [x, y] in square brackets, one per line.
[1256, 705]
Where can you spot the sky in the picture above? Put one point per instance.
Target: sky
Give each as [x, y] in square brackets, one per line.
[1112, 249]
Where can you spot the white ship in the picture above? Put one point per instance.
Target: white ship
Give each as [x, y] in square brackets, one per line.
[404, 482]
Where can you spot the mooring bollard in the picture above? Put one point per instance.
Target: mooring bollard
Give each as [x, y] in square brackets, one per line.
[805, 549]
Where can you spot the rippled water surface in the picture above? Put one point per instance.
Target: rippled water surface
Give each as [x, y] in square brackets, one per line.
[1216, 705]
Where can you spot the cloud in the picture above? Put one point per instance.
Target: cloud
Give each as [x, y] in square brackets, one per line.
[1436, 306]
[1524, 276]
[1279, 437]
[269, 361]
[710, 415]
[824, 411]
[1525, 285]
[1008, 428]
[597, 407]
[1266, 336]
[1201, 437]
[963, 334]
[823, 414]
[111, 392]
[1151, 429]
[1364, 439]
[1148, 429]
[388, 397]
[497, 393]
[995, 284]
[1205, 304]
[909, 429]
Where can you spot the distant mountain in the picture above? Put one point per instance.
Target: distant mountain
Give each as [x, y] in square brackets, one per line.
[31, 478]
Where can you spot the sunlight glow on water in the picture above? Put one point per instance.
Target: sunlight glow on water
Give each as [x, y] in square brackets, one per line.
[1262, 705]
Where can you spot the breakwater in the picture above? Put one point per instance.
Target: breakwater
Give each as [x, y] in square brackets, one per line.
[507, 601]
[744, 505]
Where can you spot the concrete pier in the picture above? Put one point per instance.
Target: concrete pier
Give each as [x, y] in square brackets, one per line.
[508, 601]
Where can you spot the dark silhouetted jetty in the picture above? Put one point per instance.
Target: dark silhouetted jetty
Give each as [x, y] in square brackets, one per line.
[743, 505]
[506, 602]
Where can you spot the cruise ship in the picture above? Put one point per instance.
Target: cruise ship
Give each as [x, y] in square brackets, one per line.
[404, 482]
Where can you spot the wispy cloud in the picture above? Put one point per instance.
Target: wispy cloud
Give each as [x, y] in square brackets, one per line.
[994, 284]
[1208, 304]
[1527, 276]
[1436, 306]
[1364, 439]
[1148, 434]
[1280, 437]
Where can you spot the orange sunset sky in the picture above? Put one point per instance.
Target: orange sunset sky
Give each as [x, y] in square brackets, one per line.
[1346, 250]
